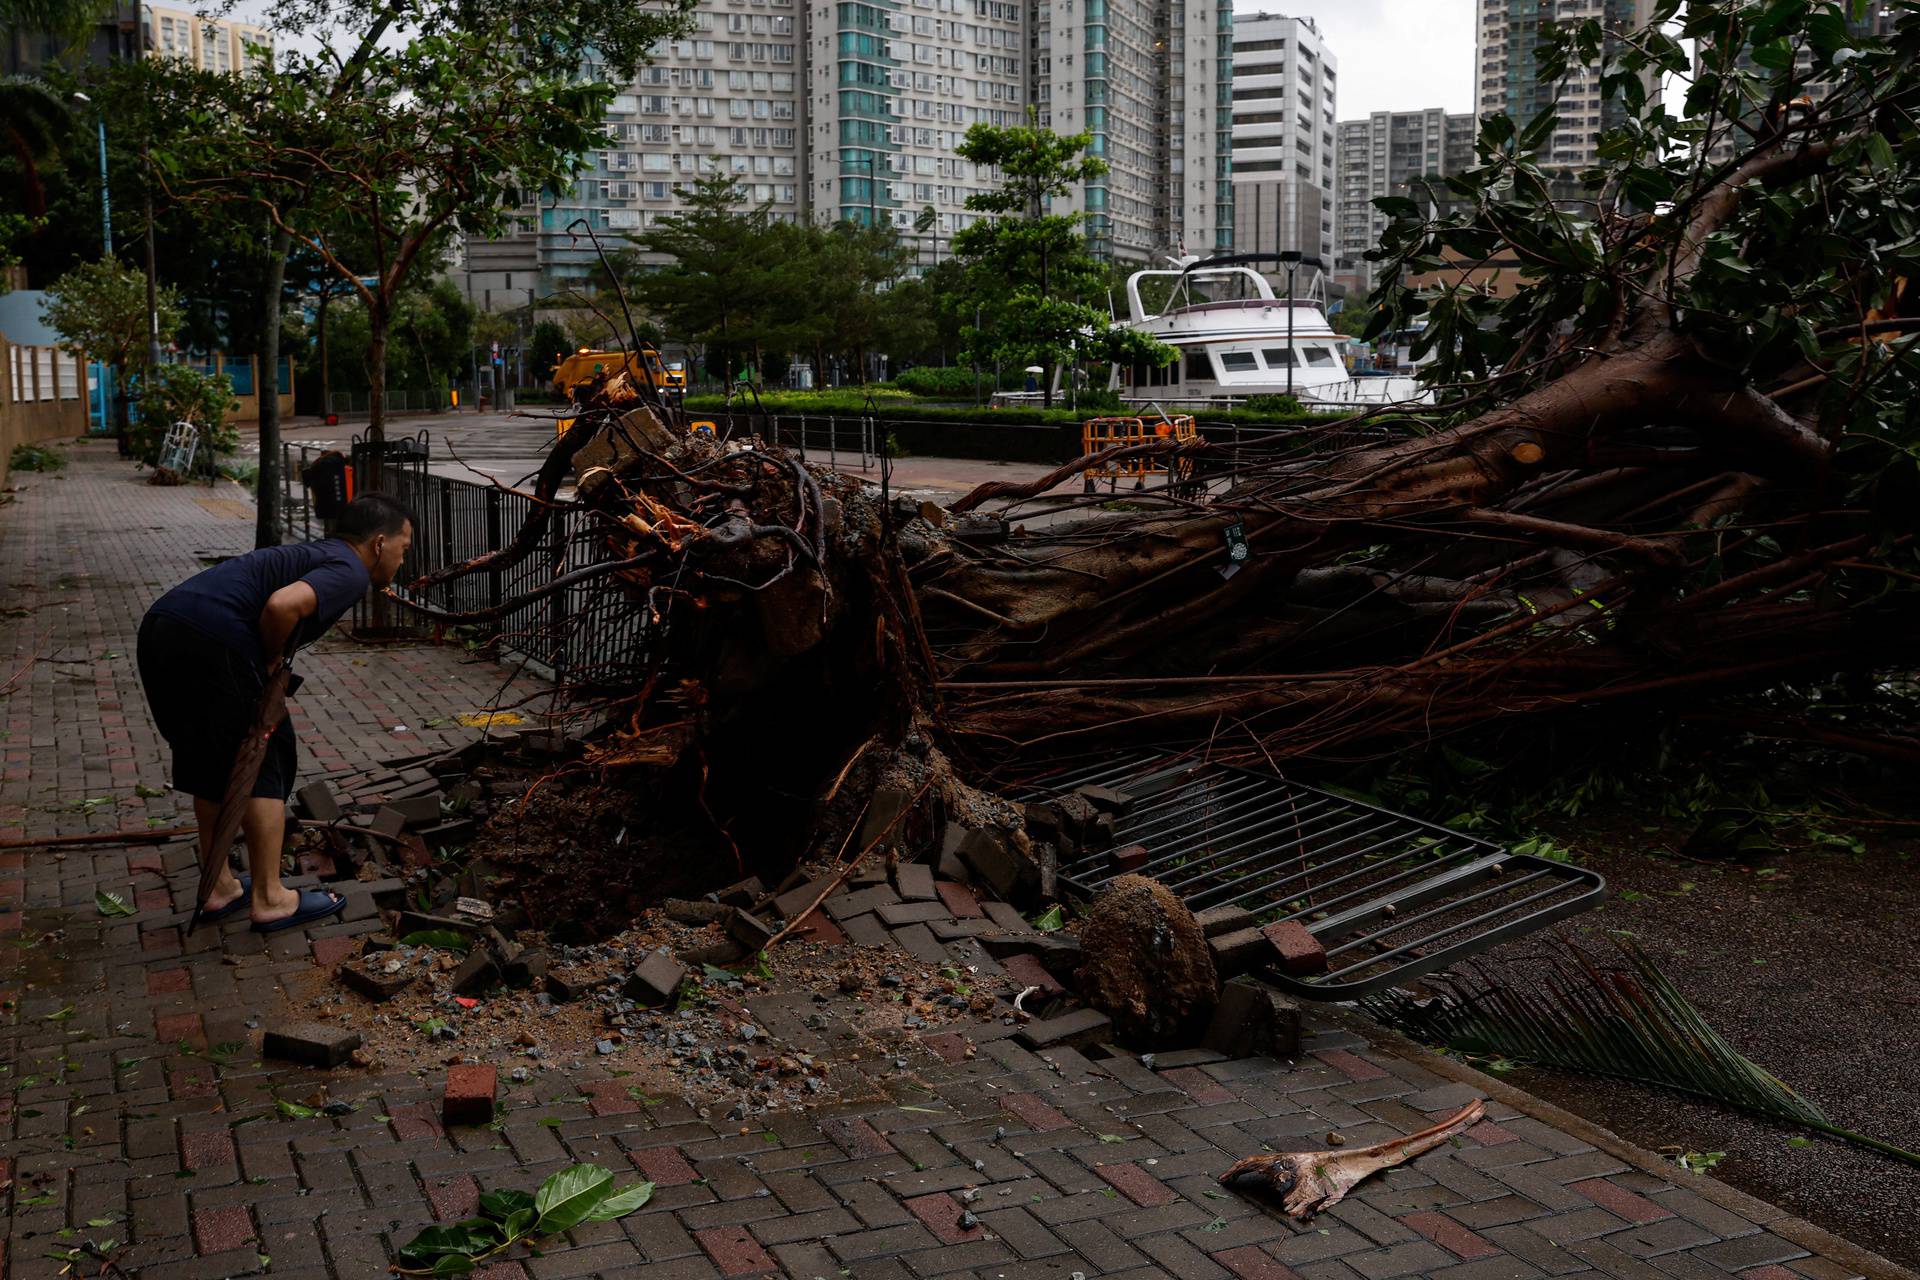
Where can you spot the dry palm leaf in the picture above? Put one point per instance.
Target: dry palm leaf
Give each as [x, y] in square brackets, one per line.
[1626, 1021]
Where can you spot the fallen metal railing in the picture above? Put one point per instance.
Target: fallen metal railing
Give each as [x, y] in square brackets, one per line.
[1388, 896]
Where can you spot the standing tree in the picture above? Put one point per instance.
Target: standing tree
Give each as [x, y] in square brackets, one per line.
[546, 348]
[1030, 267]
[101, 309]
[719, 287]
[440, 119]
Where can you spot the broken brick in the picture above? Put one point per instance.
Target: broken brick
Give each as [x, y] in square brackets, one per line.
[1106, 798]
[316, 800]
[1027, 971]
[914, 880]
[1004, 871]
[959, 900]
[479, 972]
[568, 987]
[468, 1098]
[883, 822]
[1239, 952]
[1080, 1029]
[750, 931]
[528, 968]
[741, 893]
[1299, 952]
[1253, 1019]
[317, 1044]
[331, 950]
[1128, 859]
[375, 984]
[408, 923]
[656, 980]
[1215, 921]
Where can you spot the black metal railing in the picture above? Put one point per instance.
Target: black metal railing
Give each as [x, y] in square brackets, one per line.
[585, 635]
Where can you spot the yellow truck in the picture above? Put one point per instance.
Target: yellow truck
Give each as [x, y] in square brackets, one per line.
[644, 366]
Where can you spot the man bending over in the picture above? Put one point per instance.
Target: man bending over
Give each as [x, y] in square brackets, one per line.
[206, 650]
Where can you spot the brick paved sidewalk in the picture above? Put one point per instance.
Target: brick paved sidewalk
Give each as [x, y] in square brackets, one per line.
[134, 1107]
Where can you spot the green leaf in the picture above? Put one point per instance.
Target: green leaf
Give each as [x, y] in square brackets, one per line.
[504, 1204]
[60, 1015]
[294, 1110]
[622, 1202]
[520, 1221]
[111, 904]
[565, 1199]
[1050, 920]
[468, 1237]
[453, 1264]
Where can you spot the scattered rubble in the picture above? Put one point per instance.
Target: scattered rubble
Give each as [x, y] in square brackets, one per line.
[746, 997]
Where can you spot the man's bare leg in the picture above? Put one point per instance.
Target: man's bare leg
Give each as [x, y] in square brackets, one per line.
[265, 825]
[226, 885]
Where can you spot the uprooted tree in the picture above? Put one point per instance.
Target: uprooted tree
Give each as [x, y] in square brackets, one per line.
[1677, 463]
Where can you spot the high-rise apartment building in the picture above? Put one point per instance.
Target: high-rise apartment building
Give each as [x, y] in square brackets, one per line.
[1152, 81]
[1387, 154]
[852, 109]
[130, 31]
[1284, 95]
[893, 85]
[1508, 43]
[211, 44]
[729, 98]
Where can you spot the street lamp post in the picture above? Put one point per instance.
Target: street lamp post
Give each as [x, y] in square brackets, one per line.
[1292, 258]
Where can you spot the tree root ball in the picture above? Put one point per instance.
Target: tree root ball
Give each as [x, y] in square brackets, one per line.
[1145, 965]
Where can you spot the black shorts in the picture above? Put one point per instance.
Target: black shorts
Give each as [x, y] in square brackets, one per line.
[204, 698]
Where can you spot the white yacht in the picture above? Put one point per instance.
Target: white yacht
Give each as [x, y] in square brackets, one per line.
[1237, 340]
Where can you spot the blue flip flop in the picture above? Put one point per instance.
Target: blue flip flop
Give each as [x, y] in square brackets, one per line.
[315, 904]
[201, 917]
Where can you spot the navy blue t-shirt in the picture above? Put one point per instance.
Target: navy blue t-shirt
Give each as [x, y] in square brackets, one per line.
[224, 603]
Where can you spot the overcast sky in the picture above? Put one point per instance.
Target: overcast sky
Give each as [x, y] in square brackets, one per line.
[1393, 55]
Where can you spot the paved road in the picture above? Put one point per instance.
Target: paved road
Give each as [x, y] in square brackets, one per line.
[508, 448]
[135, 1108]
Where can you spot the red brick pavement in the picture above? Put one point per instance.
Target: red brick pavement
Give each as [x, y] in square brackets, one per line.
[1098, 1165]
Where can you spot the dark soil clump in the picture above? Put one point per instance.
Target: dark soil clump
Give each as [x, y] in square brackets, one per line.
[1147, 966]
[585, 861]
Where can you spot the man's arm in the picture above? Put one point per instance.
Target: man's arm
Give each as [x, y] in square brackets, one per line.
[284, 612]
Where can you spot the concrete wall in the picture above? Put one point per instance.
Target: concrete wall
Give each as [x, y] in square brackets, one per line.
[43, 394]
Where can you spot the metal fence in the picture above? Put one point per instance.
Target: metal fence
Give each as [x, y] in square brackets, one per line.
[839, 440]
[399, 400]
[587, 636]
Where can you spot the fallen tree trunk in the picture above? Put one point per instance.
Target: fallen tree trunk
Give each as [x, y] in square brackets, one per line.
[1628, 521]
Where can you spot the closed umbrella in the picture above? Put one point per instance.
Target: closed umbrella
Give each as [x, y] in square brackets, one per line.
[246, 769]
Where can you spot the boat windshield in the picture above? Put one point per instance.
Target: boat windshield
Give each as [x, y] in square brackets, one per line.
[1161, 292]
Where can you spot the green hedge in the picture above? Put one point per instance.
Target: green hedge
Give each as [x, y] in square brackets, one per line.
[849, 402]
[1048, 437]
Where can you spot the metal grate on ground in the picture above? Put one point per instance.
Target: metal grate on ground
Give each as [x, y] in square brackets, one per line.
[1390, 897]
